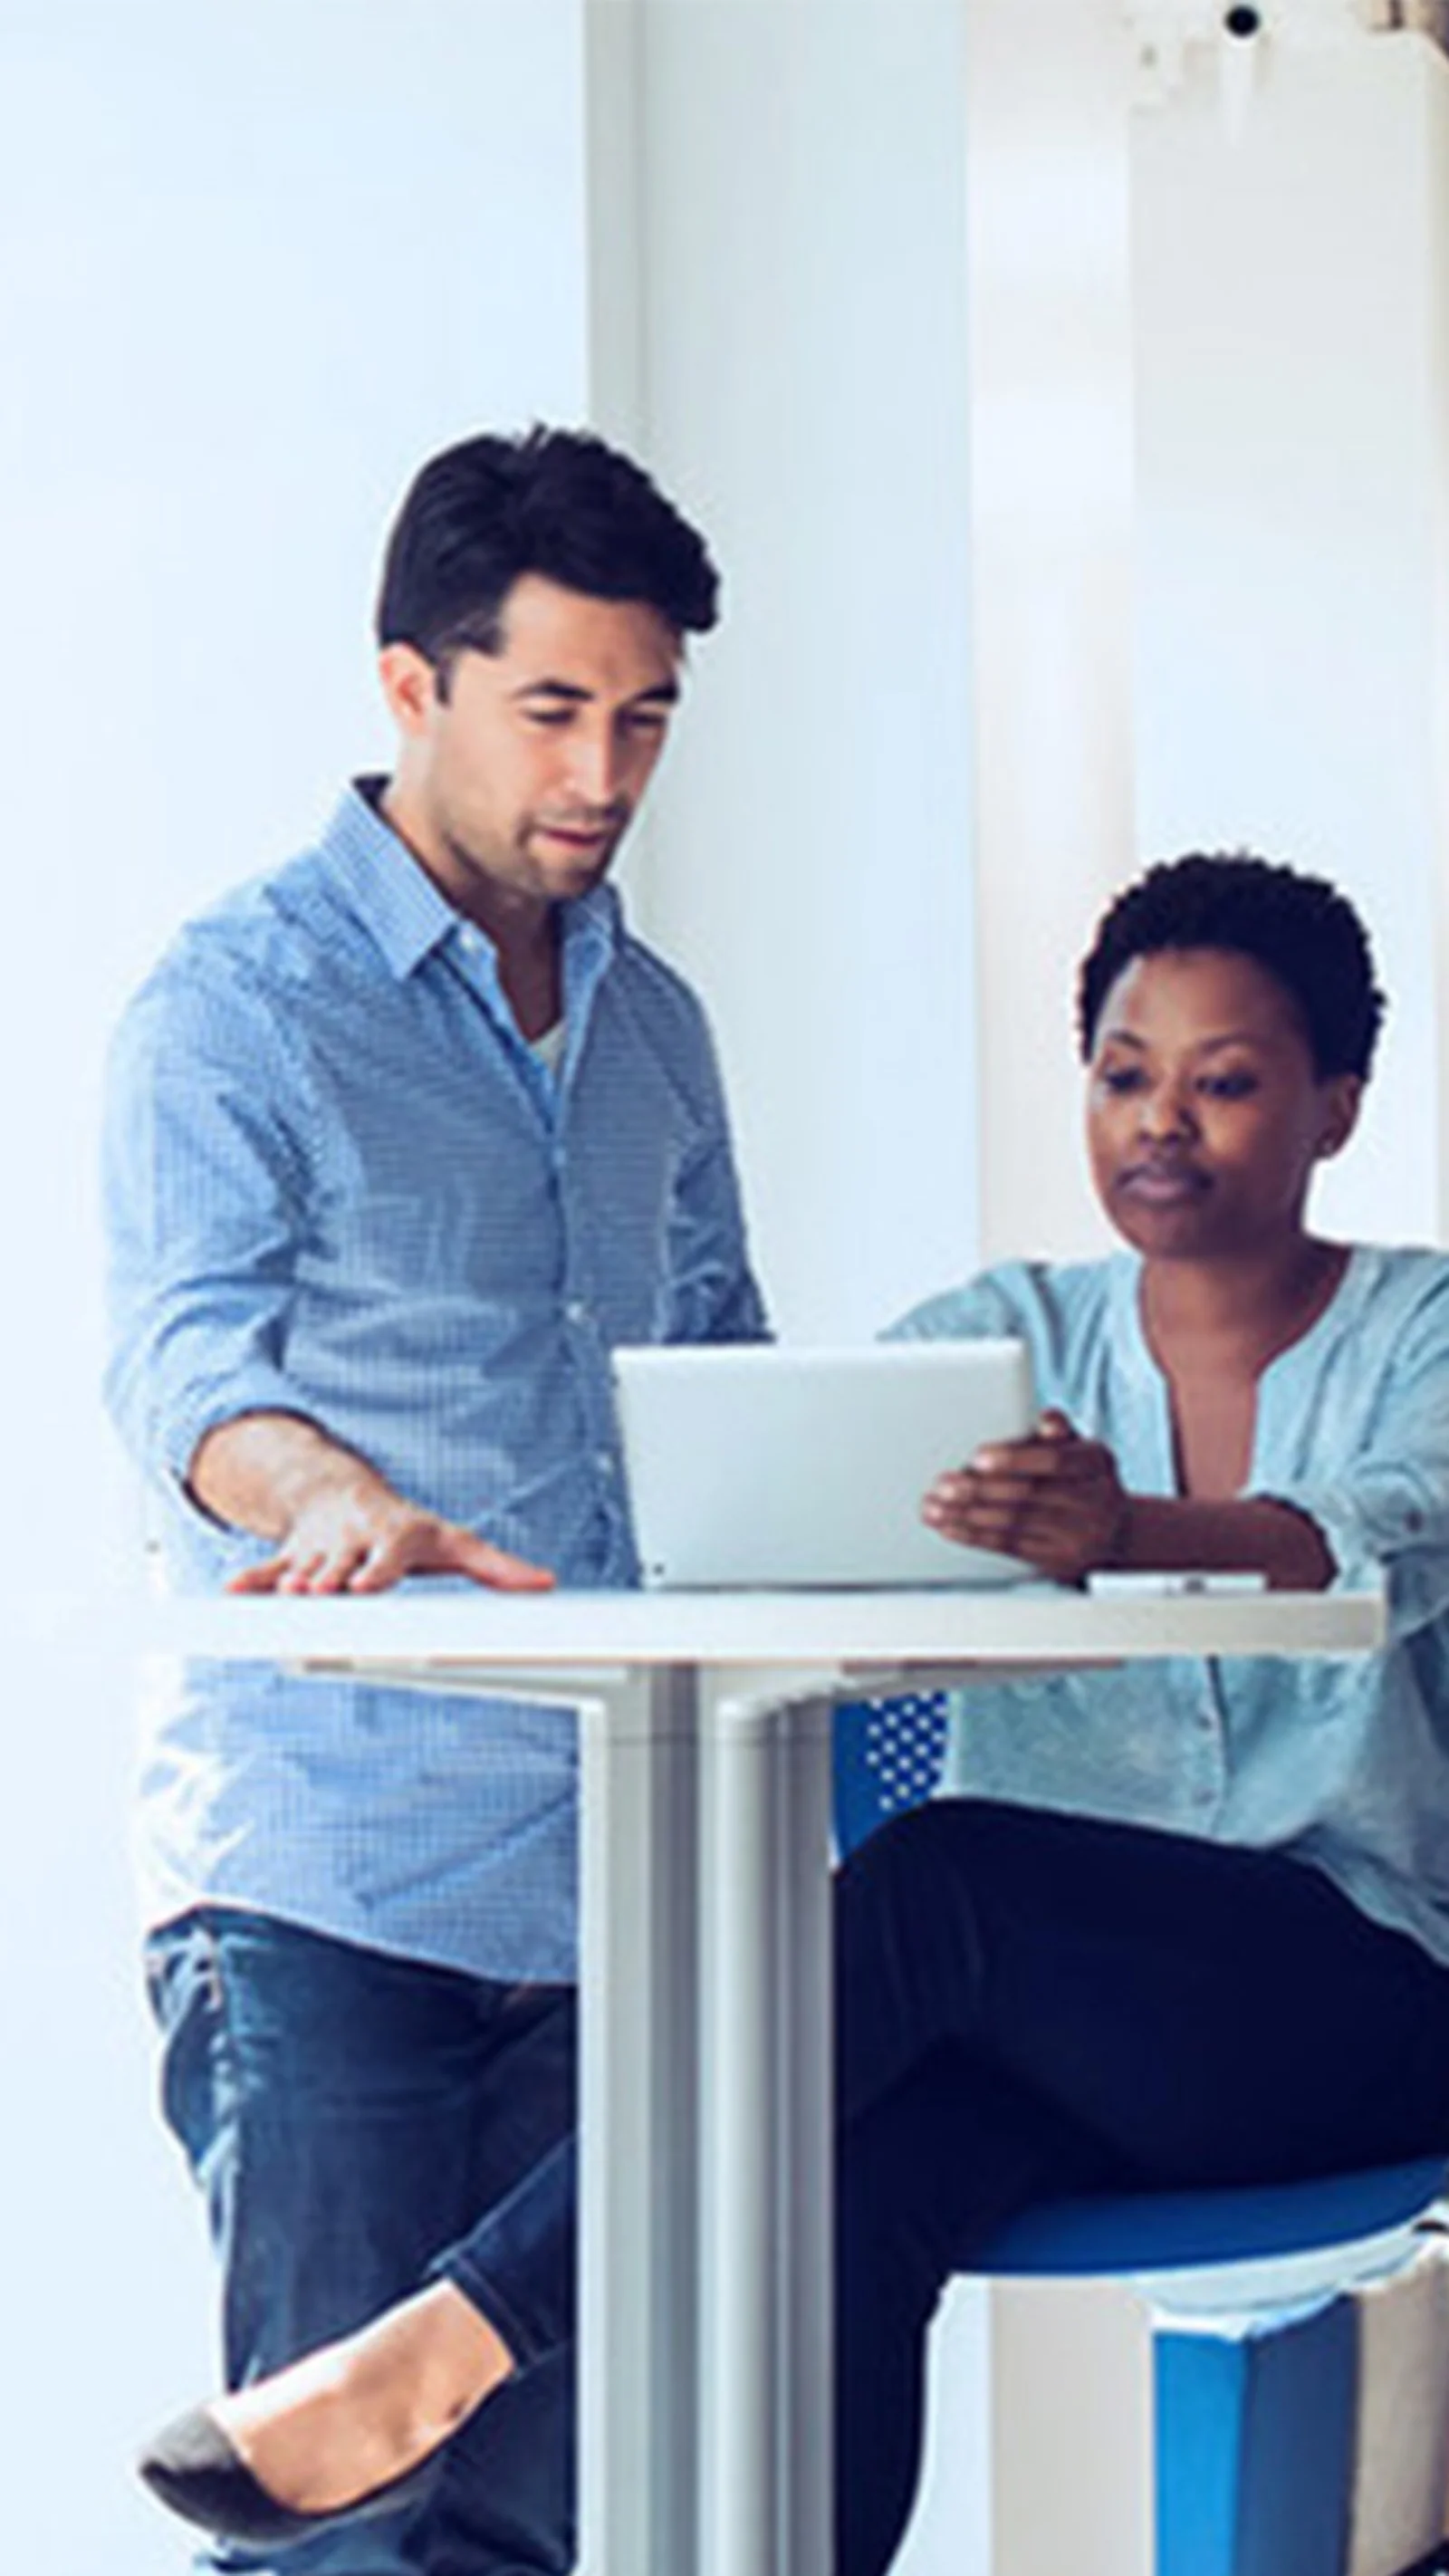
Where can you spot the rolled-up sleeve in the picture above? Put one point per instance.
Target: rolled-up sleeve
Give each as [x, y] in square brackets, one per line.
[1384, 1511]
[202, 1180]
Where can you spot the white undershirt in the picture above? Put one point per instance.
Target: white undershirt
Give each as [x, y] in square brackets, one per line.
[549, 1047]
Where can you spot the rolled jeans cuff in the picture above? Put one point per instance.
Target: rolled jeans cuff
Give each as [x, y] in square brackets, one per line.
[518, 2266]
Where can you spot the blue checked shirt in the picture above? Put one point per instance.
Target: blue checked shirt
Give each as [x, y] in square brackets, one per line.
[340, 1184]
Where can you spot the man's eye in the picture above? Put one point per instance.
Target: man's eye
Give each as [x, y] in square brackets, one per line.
[1229, 1086]
[550, 716]
[1119, 1078]
[645, 720]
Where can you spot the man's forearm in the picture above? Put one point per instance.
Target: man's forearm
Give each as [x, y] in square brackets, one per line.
[335, 1524]
[260, 1471]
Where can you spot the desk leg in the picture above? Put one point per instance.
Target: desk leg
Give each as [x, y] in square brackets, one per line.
[639, 2130]
[766, 2080]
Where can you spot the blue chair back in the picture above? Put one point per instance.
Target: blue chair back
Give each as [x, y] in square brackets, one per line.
[889, 1755]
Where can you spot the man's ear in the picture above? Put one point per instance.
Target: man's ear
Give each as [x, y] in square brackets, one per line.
[410, 686]
[1341, 1097]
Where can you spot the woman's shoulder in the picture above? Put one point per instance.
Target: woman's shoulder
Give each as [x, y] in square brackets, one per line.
[1403, 1269]
[1390, 1290]
[1039, 1299]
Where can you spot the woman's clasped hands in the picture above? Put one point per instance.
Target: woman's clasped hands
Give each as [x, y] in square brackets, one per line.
[1053, 1499]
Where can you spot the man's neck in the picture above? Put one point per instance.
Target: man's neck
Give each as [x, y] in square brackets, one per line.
[532, 978]
[522, 929]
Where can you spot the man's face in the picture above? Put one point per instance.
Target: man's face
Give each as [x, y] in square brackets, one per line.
[515, 788]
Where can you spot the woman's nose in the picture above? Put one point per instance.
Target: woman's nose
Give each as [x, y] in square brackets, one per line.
[1166, 1111]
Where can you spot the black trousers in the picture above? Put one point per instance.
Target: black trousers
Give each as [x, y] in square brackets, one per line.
[1031, 2004]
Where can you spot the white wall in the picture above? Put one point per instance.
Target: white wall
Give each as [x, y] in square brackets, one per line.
[1292, 328]
[255, 262]
[1210, 396]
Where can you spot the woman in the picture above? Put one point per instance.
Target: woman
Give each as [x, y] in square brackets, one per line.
[1191, 1924]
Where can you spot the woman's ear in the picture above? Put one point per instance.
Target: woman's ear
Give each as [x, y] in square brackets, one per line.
[1341, 1094]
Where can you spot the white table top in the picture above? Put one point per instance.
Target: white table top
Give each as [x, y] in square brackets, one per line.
[1019, 1624]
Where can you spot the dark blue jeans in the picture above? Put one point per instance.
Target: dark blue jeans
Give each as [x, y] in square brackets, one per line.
[1031, 2005]
[349, 2115]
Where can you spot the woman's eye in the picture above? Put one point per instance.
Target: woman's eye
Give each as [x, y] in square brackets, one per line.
[1229, 1086]
[1120, 1078]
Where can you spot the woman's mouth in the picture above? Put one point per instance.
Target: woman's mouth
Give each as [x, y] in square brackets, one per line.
[1163, 1184]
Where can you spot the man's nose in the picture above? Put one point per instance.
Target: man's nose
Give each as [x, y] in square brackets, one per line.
[595, 766]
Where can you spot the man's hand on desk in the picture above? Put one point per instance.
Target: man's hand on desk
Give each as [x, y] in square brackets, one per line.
[339, 1526]
[1053, 1499]
[361, 1542]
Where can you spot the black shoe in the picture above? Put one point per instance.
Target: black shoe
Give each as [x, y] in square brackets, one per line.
[194, 2468]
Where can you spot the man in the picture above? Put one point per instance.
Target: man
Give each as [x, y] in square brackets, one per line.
[403, 1139]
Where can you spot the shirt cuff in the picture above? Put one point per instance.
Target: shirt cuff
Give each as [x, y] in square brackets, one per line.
[1387, 1540]
[204, 1408]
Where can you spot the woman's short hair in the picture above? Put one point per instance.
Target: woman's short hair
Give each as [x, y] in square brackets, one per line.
[1299, 928]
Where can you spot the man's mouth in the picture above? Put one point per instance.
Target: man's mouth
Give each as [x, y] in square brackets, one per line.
[583, 835]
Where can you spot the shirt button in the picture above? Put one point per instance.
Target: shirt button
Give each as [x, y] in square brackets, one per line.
[575, 1311]
[468, 938]
[604, 1461]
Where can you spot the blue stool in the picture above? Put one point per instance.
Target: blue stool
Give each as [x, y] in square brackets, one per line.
[1064, 2499]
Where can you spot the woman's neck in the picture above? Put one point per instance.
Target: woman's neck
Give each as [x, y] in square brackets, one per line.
[1238, 1312]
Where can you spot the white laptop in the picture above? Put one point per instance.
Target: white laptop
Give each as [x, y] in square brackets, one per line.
[753, 1464]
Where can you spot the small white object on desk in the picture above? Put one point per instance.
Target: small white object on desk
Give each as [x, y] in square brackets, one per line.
[1175, 1586]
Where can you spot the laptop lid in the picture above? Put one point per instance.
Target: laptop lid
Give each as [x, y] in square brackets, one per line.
[753, 1464]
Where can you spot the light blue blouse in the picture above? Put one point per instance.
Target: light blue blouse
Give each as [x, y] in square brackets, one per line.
[1342, 1762]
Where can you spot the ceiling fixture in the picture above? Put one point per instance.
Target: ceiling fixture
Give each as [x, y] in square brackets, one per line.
[1168, 34]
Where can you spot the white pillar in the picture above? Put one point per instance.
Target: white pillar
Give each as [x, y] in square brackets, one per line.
[795, 369]
[1050, 349]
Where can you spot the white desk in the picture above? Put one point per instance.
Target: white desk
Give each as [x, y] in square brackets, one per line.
[706, 1982]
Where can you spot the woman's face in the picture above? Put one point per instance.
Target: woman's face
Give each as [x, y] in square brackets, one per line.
[1205, 1116]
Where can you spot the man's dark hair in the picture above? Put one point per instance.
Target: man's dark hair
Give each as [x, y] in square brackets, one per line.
[1299, 928]
[556, 502]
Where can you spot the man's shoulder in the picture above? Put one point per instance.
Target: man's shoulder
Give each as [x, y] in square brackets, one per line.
[257, 947]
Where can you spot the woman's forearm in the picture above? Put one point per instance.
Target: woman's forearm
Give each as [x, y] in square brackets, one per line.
[1254, 1536]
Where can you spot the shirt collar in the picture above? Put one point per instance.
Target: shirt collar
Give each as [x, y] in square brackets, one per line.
[397, 901]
